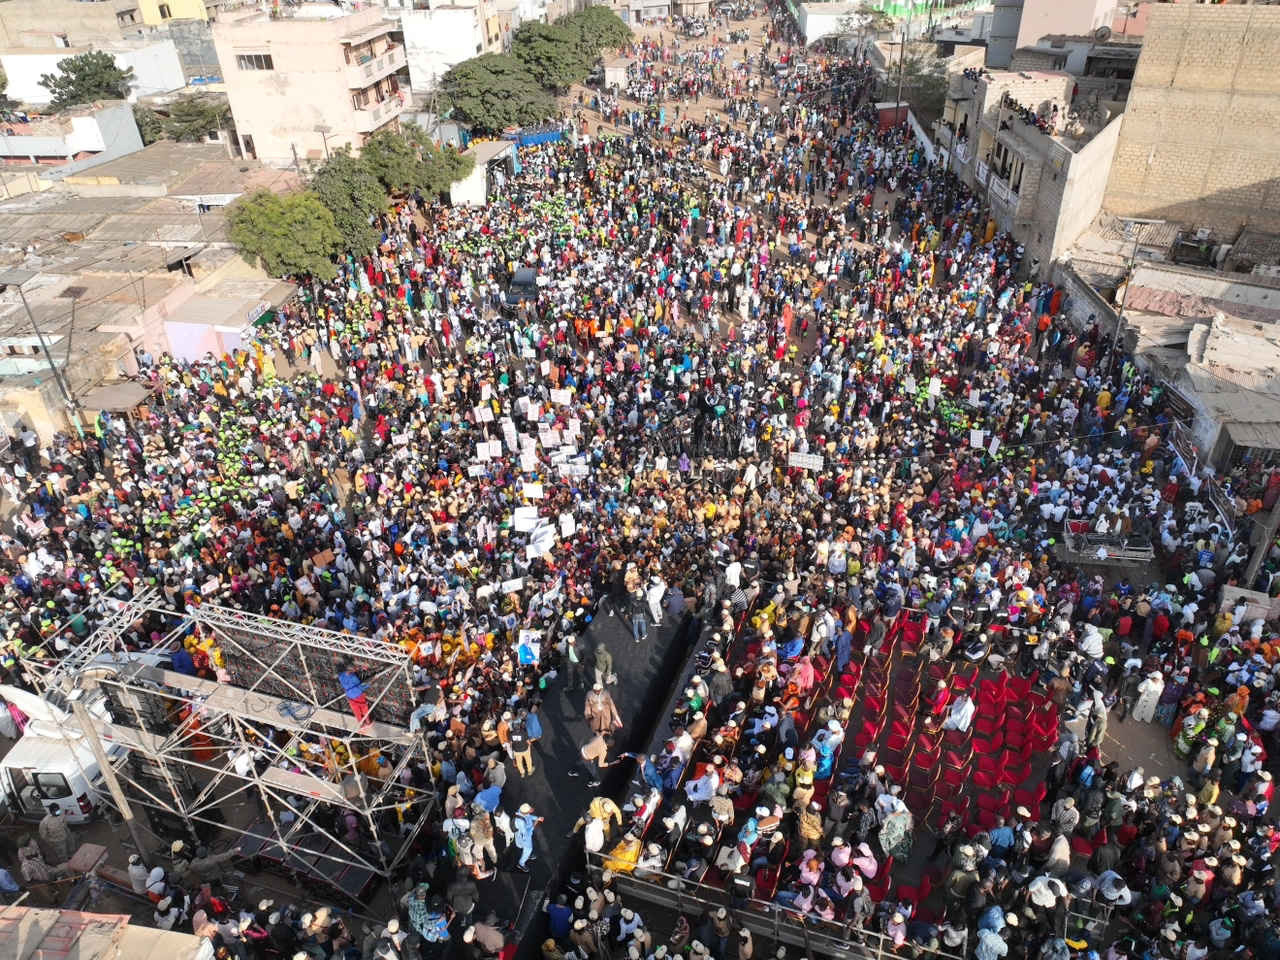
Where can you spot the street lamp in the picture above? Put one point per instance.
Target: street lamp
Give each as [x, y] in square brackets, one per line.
[16, 278]
[324, 130]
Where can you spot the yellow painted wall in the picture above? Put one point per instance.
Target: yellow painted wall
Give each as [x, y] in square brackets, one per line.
[178, 10]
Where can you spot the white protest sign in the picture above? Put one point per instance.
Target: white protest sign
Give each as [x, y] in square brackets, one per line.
[975, 438]
[805, 461]
[512, 586]
[935, 387]
[568, 526]
[533, 491]
[562, 397]
[995, 446]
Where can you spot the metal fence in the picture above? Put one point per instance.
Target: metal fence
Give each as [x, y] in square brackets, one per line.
[762, 918]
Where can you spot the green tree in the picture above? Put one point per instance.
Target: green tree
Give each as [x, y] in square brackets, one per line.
[409, 160]
[924, 84]
[353, 195]
[288, 235]
[149, 125]
[86, 78]
[596, 28]
[494, 91]
[190, 119]
[554, 55]
[858, 27]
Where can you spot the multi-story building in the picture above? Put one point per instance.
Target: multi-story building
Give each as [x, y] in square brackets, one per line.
[1201, 140]
[1040, 159]
[1020, 23]
[156, 12]
[305, 85]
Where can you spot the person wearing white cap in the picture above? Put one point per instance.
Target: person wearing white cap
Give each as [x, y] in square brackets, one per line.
[167, 914]
[138, 875]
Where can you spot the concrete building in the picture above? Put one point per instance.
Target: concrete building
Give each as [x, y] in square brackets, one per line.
[76, 139]
[818, 20]
[1201, 139]
[155, 63]
[156, 12]
[58, 24]
[1020, 23]
[440, 38]
[286, 77]
[639, 11]
[1040, 160]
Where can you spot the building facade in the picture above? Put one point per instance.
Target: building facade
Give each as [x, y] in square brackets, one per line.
[157, 69]
[287, 77]
[1020, 23]
[1201, 139]
[1013, 138]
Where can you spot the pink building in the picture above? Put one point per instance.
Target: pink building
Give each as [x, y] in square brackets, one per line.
[304, 85]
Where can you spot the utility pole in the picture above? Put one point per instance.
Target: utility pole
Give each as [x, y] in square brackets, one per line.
[16, 278]
[108, 772]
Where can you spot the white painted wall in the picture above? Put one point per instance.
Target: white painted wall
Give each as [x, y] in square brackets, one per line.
[156, 69]
[435, 40]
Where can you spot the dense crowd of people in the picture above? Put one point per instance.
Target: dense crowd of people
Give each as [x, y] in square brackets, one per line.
[781, 371]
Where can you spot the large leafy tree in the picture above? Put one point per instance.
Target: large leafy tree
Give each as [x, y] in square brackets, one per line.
[353, 196]
[494, 91]
[85, 78]
[596, 29]
[860, 25]
[408, 160]
[288, 235]
[190, 119]
[554, 55]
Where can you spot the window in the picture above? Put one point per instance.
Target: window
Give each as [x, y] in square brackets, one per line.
[255, 61]
[165, 12]
[53, 786]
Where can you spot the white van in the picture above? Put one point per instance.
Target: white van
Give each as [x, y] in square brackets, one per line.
[42, 770]
[52, 763]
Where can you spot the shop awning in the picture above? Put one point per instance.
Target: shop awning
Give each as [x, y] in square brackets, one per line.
[116, 396]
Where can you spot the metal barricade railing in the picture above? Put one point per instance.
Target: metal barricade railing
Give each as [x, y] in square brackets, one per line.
[762, 918]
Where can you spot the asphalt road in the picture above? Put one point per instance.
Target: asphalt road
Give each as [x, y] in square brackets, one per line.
[645, 674]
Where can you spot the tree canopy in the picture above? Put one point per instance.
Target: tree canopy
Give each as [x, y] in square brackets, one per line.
[353, 196]
[191, 119]
[86, 78]
[862, 24]
[494, 91]
[288, 235]
[596, 29]
[554, 55]
[410, 160]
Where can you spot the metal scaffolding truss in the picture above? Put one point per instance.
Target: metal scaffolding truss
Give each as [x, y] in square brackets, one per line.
[276, 727]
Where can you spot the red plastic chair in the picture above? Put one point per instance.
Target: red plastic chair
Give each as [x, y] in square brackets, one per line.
[1016, 776]
[953, 806]
[1082, 846]
[1031, 799]
[985, 726]
[991, 747]
[957, 738]
[953, 777]
[987, 802]
[954, 760]
[984, 781]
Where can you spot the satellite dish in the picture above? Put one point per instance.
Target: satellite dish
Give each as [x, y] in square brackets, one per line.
[1102, 34]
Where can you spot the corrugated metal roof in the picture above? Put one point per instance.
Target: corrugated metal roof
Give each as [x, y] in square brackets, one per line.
[1265, 436]
[219, 311]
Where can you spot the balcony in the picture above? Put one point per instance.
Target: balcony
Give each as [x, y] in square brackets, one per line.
[378, 115]
[361, 75]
